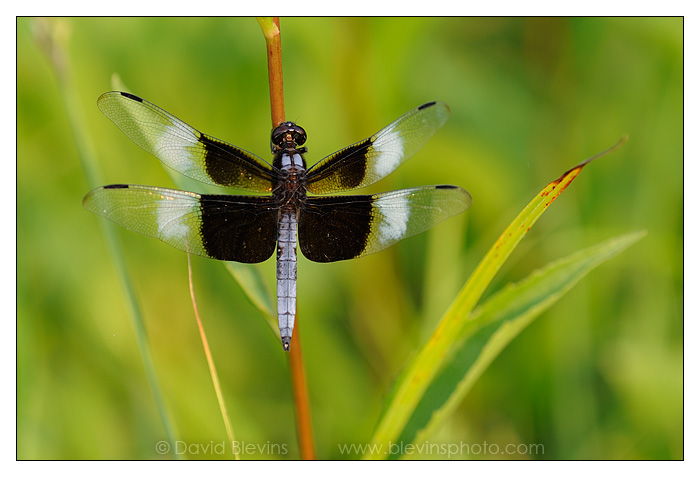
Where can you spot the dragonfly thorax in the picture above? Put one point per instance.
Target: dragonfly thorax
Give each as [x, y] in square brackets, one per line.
[291, 189]
[292, 163]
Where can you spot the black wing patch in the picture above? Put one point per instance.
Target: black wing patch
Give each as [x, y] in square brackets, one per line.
[335, 228]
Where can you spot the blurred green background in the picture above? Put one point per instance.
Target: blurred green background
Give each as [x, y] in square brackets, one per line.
[599, 376]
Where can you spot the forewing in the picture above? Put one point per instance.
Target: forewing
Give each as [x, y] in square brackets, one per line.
[183, 148]
[368, 161]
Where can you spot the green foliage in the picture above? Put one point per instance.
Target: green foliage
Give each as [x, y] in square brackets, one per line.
[431, 358]
[493, 326]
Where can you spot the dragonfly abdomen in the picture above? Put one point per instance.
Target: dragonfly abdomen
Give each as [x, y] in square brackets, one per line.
[287, 273]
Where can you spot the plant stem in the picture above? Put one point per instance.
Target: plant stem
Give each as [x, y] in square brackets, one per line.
[273, 40]
[302, 410]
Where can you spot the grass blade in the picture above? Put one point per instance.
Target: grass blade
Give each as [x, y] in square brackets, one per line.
[45, 33]
[210, 362]
[496, 324]
[253, 285]
[414, 381]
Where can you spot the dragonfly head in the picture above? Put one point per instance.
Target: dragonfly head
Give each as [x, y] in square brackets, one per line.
[287, 136]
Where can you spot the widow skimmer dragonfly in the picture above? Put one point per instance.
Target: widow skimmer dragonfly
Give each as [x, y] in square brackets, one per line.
[247, 228]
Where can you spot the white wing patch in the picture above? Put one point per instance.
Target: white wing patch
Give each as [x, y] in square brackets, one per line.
[173, 147]
[169, 215]
[395, 216]
[390, 149]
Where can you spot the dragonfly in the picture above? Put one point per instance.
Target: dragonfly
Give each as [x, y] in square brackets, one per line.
[296, 207]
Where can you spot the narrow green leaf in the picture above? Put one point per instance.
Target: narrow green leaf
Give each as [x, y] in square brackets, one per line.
[57, 54]
[251, 282]
[496, 324]
[413, 382]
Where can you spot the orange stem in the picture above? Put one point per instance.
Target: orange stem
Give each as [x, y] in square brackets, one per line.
[271, 30]
[302, 410]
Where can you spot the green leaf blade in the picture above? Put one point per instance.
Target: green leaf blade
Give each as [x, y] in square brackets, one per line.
[496, 324]
[416, 378]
